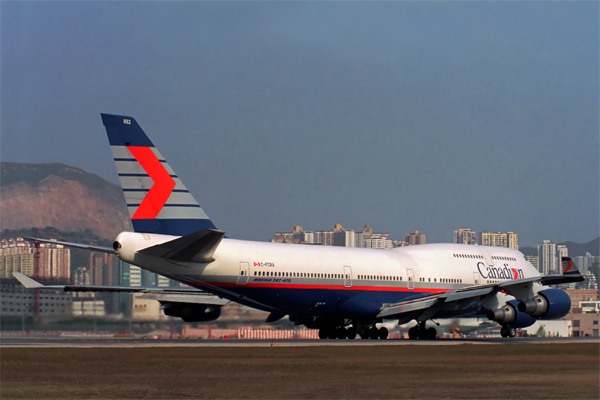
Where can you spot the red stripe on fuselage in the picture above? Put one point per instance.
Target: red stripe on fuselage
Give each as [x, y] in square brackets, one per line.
[330, 287]
[161, 189]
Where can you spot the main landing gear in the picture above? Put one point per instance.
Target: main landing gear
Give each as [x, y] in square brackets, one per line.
[337, 332]
[421, 332]
[371, 332]
[508, 332]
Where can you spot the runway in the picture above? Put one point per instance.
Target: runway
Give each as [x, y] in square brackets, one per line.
[90, 342]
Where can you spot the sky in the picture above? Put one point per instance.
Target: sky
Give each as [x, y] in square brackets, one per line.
[428, 116]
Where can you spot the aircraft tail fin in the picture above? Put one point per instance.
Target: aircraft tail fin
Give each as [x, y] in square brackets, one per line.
[568, 267]
[157, 200]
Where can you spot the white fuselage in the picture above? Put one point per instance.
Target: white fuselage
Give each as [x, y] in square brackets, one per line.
[316, 280]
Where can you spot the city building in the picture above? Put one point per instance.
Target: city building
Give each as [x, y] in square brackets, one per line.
[585, 262]
[415, 238]
[547, 257]
[585, 317]
[561, 251]
[533, 260]
[297, 235]
[18, 301]
[344, 238]
[499, 239]
[339, 236]
[465, 236]
[45, 260]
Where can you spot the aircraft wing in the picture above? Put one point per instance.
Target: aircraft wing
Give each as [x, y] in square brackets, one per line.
[75, 245]
[175, 295]
[426, 307]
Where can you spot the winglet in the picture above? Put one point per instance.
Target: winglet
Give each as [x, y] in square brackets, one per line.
[27, 281]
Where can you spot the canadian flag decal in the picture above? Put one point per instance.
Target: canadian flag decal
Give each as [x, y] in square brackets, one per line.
[161, 189]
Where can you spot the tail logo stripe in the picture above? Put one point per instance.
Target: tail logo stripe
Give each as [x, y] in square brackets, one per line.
[161, 189]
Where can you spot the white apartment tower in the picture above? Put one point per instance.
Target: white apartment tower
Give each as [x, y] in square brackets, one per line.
[499, 239]
[547, 257]
[465, 236]
[561, 251]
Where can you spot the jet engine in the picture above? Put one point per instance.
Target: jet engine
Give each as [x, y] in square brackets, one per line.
[509, 315]
[192, 312]
[547, 304]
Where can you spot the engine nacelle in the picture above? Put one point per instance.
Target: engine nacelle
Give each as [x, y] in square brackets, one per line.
[508, 315]
[547, 304]
[192, 312]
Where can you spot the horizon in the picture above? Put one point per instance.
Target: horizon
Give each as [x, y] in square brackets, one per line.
[326, 228]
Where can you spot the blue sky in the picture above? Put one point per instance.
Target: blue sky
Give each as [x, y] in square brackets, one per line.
[426, 116]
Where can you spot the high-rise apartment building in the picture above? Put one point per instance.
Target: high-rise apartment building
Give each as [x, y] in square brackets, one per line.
[499, 239]
[561, 251]
[465, 236]
[547, 257]
[415, 238]
[19, 255]
[533, 260]
[344, 238]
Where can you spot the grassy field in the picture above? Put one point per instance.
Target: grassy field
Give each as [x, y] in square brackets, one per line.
[463, 371]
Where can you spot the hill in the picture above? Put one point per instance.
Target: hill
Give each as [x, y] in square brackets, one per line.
[60, 196]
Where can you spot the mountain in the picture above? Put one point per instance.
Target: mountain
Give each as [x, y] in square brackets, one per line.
[62, 197]
[575, 249]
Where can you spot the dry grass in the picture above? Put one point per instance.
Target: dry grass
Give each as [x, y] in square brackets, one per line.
[467, 371]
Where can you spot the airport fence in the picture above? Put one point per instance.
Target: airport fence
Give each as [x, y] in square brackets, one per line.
[205, 333]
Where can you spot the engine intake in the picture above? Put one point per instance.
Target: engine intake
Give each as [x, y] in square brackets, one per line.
[508, 315]
[547, 304]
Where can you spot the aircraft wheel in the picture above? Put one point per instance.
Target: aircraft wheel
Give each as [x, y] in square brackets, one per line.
[351, 333]
[431, 334]
[341, 333]
[412, 333]
[373, 333]
[383, 333]
[323, 333]
[511, 332]
[503, 331]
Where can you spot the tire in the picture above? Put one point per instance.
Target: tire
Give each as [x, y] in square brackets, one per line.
[322, 333]
[383, 333]
[373, 334]
[412, 333]
[431, 334]
[503, 331]
[511, 332]
[341, 333]
[351, 333]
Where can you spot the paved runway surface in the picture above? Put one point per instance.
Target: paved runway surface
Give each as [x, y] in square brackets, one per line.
[62, 341]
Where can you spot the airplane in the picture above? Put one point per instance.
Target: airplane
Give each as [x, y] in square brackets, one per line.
[343, 292]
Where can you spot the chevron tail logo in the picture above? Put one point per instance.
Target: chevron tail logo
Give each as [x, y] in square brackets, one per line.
[163, 185]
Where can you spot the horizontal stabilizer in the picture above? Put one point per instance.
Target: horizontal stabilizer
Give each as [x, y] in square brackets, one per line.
[27, 281]
[197, 247]
[74, 245]
[570, 274]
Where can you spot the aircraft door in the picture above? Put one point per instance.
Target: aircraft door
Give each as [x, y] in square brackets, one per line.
[347, 276]
[476, 278]
[411, 279]
[244, 271]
